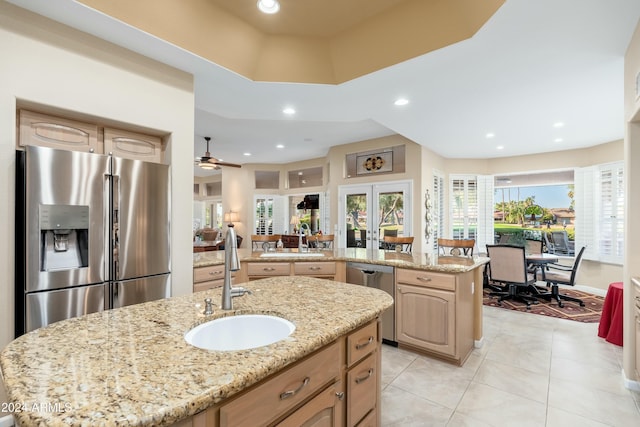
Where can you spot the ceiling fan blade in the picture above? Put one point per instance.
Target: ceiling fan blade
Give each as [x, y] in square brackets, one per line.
[219, 163]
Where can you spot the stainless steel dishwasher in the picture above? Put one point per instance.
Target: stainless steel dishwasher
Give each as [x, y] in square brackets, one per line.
[380, 277]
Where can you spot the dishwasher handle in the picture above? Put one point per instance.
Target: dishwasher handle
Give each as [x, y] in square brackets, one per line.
[371, 278]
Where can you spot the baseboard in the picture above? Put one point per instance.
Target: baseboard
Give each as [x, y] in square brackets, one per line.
[7, 421]
[478, 343]
[589, 289]
[630, 384]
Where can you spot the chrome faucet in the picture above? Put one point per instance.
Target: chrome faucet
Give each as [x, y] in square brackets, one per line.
[231, 263]
[302, 246]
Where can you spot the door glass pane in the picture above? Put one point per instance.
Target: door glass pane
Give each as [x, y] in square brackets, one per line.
[356, 220]
[391, 214]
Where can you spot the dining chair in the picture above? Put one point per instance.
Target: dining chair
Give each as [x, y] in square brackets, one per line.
[458, 247]
[264, 241]
[556, 274]
[321, 241]
[508, 266]
[390, 243]
[561, 244]
[532, 246]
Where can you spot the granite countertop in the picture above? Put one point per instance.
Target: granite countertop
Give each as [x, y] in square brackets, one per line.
[418, 261]
[131, 366]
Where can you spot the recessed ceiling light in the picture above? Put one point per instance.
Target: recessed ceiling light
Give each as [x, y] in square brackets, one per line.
[558, 124]
[490, 135]
[300, 173]
[500, 147]
[246, 154]
[558, 140]
[289, 111]
[280, 146]
[401, 101]
[268, 6]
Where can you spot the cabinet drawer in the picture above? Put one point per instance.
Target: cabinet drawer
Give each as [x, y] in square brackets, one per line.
[203, 274]
[268, 269]
[284, 391]
[361, 389]
[426, 278]
[362, 342]
[205, 286]
[315, 268]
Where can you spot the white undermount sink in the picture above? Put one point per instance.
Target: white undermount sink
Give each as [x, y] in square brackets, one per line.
[290, 254]
[240, 332]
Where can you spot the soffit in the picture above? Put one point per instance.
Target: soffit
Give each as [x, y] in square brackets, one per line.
[308, 41]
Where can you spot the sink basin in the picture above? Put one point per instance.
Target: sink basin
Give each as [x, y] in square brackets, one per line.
[290, 254]
[241, 332]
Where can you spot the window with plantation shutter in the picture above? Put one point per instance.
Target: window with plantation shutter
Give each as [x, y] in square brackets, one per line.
[437, 209]
[599, 196]
[464, 207]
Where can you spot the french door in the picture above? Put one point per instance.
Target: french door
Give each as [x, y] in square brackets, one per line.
[367, 212]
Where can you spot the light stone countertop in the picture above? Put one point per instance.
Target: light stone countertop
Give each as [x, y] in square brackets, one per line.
[416, 261]
[132, 367]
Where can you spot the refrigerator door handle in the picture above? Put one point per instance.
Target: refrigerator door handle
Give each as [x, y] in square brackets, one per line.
[115, 226]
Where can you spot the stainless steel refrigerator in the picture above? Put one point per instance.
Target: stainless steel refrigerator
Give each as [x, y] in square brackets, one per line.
[92, 233]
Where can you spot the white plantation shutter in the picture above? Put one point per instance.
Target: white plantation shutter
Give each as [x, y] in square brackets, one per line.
[599, 197]
[279, 214]
[463, 206]
[325, 214]
[486, 204]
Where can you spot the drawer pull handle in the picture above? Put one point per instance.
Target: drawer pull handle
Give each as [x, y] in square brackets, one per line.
[315, 268]
[288, 394]
[361, 346]
[366, 377]
[425, 279]
[214, 273]
[268, 269]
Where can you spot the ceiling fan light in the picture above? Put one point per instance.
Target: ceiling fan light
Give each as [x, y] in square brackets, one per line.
[206, 165]
[269, 6]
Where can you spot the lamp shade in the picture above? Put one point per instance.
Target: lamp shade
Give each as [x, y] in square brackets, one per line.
[231, 217]
[295, 220]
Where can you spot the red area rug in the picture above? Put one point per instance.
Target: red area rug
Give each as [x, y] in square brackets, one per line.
[590, 313]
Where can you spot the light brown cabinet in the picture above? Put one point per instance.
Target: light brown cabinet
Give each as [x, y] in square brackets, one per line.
[45, 130]
[210, 277]
[434, 313]
[132, 145]
[338, 385]
[320, 269]
[55, 132]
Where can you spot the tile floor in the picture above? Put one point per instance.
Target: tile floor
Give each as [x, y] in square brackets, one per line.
[531, 371]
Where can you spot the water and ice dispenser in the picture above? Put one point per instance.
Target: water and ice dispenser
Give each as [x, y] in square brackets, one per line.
[64, 237]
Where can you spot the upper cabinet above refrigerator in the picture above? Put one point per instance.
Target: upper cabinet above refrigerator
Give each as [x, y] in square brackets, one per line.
[45, 130]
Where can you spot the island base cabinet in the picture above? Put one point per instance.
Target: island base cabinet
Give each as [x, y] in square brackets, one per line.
[426, 318]
[324, 410]
[434, 313]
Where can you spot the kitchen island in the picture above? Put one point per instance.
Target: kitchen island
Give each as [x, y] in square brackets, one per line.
[422, 262]
[132, 367]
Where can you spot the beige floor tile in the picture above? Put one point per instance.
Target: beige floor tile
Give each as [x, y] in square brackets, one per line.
[525, 356]
[527, 384]
[602, 406]
[560, 418]
[587, 375]
[394, 361]
[436, 381]
[459, 420]
[403, 409]
[501, 409]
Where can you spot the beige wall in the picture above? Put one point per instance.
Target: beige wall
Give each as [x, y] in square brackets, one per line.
[49, 64]
[632, 193]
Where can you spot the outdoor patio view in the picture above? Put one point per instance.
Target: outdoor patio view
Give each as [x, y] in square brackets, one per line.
[543, 213]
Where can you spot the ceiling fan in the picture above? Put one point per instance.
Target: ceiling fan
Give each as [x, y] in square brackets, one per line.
[208, 162]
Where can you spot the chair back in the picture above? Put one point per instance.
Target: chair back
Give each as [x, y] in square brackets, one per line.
[321, 240]
[258, 240]
[533, 246]
[548, 243]
[560, 241]
[576, 266]
[507, 264]
[456, 246]
[391, 242]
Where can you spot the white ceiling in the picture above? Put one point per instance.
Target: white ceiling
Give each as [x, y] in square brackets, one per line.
[533, 64]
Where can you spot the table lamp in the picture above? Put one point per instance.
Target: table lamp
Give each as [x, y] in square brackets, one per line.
[295, 221]
[231, 217]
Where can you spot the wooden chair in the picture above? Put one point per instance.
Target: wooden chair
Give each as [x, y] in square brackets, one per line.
[456, 247]
[508, 265]
[321, 241]
[264, 241]
[391, 242]
[532, 246]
